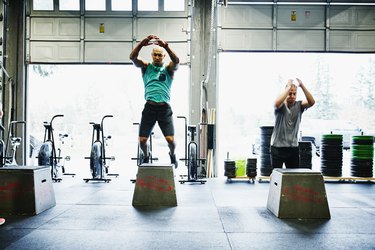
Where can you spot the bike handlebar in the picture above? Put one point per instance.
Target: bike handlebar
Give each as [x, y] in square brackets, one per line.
[55, 116]
[106, 116]
[183, 117]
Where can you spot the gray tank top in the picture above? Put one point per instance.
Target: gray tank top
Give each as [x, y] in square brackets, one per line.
[287, 121]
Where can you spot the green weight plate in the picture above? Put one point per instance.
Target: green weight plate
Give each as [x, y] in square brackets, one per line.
[332, 136]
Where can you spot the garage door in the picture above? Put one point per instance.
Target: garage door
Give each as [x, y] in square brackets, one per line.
[102, 31]
[337, 26]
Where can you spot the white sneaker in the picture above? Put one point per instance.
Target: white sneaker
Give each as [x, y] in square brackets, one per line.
[2, 221]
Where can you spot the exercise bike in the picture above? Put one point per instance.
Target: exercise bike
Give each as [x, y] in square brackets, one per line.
[191, 155]
[60, 159]
[47, 153]
[140, 154]
[98, 159]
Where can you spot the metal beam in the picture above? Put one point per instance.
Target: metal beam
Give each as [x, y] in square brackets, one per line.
[15, 92]
[203, 64]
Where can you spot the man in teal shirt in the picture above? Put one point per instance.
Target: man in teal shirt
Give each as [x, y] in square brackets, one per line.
[157, 79]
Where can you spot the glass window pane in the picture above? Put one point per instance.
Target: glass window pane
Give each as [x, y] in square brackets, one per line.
[121, 5]
[95, 4]
[174, 5]
[69, 5]
[43, 5]
[148, 5]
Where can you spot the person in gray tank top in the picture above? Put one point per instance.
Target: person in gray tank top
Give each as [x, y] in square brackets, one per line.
[288, 114]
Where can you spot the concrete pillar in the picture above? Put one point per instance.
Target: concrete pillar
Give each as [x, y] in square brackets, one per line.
[201, 37]
[14, 96]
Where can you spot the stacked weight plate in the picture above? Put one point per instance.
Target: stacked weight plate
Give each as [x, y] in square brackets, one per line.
[251, 167]
[265, 156]
[331, 155]
[305, 155]
[230, 169]
[362, 156]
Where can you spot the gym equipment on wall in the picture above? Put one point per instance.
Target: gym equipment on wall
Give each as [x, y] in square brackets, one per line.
[191, 155]
[98, 159]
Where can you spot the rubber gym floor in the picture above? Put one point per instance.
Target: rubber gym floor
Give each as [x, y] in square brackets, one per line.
[214, 215]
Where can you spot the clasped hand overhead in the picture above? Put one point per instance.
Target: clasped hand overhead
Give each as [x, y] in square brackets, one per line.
[152, 39]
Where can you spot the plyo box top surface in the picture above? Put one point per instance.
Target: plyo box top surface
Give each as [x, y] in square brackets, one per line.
[296, 171]
[147, 165]
[23, 168]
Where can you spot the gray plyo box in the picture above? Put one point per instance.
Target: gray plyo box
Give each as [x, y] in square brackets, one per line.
[155, 186]
[298, 194]
[26, 190]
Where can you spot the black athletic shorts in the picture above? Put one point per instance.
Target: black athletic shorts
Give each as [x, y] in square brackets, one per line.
[156, 113]
[285, 155]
